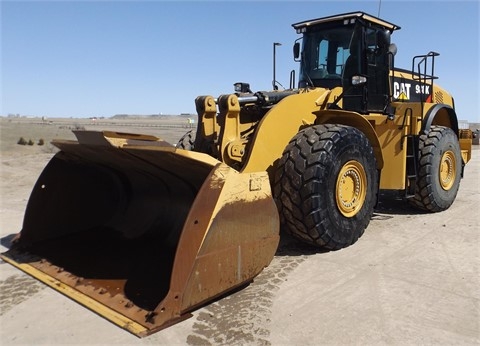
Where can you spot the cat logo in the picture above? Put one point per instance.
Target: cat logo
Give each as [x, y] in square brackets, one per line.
[401, 91]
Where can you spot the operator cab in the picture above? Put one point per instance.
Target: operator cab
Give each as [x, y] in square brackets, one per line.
[351, 51]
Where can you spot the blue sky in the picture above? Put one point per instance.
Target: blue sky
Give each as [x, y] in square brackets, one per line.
[101, 58]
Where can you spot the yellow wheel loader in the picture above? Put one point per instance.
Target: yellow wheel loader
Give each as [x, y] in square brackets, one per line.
[143, 232]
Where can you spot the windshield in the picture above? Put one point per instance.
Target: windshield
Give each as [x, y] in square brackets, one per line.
[324, 55]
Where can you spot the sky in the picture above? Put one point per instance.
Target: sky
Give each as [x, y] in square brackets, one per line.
[101, 58]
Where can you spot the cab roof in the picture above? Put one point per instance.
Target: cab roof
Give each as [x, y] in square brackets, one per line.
[345, 18]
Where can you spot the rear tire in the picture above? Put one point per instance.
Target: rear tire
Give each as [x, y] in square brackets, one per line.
[326, 185]
[439, 170]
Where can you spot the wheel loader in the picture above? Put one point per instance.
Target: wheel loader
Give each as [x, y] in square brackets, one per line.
[143, 232]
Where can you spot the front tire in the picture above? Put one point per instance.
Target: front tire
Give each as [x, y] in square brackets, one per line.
[187, 142]
[326, 185]
[439, 170]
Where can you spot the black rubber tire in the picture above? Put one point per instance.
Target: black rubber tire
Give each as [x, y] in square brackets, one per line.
[306, 185]
[187, 142]
[439, 170]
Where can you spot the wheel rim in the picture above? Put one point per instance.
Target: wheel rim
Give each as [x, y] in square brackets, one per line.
[351, 188]
[448, 170]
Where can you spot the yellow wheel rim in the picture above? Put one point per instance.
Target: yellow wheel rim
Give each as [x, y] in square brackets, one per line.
[351, 188]
[448, 170]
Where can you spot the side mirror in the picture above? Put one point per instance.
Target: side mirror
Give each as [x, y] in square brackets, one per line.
[296, 51]
[383, 39]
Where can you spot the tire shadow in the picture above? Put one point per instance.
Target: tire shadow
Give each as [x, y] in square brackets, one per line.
[393, 203]
[390, 203]
[290, 246]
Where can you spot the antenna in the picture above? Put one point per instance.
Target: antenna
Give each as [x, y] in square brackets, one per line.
[379, 7]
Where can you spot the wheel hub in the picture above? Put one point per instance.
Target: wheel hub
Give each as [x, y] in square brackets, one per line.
[448, 169]
[351, 188]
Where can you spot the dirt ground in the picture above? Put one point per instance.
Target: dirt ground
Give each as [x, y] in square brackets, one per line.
[413, 278]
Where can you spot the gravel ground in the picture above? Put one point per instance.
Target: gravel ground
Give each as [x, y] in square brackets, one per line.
[412, 278]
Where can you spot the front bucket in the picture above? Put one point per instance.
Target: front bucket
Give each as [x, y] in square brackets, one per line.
[141, 232]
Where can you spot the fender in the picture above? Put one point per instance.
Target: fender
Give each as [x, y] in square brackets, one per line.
[355, 120]
[278, 127]
[440, 114]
